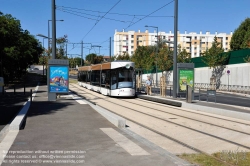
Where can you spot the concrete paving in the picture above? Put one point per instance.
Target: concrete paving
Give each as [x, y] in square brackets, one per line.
[205, 137]
[71, 133]
[210, 107]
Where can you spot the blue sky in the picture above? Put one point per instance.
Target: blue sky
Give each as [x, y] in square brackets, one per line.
[194, 16]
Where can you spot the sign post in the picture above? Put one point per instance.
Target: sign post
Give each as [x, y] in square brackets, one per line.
[228, 73]
[58, 78]
[185, 76]
[1, 84]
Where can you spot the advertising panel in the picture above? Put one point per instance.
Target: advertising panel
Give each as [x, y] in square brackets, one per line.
[58, 79]
[186, 77]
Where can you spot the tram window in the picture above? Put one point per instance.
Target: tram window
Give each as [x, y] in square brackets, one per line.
[125, 75]
[113, 79]
[95, 78]
[87, 76]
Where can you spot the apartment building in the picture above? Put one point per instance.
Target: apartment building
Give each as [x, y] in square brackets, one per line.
[194, 43]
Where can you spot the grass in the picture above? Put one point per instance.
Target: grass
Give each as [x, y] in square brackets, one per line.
[73, 72]
[74, 81]
[233, 158]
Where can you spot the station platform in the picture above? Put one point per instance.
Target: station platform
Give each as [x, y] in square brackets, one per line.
[203, 106]
[69, 132]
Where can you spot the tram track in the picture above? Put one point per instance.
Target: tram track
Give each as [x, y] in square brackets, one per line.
[168, 121]
[242, 132]
[235, 143]
[159, 104]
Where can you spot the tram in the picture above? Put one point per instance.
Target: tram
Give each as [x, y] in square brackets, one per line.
[112, 79]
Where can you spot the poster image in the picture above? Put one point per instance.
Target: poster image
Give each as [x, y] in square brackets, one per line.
[58, 81]
[186, 77]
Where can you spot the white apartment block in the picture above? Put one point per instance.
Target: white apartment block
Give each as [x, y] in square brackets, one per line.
[194, 43]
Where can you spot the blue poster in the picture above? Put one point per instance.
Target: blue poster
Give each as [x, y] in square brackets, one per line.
[59, 81]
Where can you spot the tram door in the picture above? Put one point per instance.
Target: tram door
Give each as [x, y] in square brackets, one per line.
[105, 82]
[113, 80]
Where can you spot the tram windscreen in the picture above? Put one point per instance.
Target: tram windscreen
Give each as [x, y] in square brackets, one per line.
[125, 78]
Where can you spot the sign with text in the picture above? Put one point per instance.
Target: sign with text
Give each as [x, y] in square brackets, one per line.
[186, 77]
[58, 79]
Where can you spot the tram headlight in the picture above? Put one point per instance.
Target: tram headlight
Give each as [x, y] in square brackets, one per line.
[127, 66]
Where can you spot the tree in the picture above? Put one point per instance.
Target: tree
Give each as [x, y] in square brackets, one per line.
[125, 56]
[216, 60]
[247, 59]
[60, 52]
[241, 36]
[143, 57]
[182, 55]
[98, 59]
[91, 58]
[165, 59]
[18, 49]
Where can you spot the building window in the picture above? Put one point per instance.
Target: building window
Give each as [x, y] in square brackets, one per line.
[226, 38]
[164, 37]
[195, 37]
[195, 54]
[132, 36]
[132, 46]
[202, 42]
[187, 48]
[226, 48]
[195, 48]
[226, 43]
[132, 41]
[195, 42]
[132, 52]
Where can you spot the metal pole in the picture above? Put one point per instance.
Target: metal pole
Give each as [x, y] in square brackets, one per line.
[66, 50]
[48, 38]
[156, 70]
[43, 58]
[81, 52]
[228, 83]
[110, 49]
[53, 29]
[175, 50]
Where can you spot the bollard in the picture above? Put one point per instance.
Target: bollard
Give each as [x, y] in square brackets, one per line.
[24, 89]
[170, 91]
[14, 89]
[31, 95]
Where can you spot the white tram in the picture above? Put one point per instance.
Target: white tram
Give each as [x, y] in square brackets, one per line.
[112, 79]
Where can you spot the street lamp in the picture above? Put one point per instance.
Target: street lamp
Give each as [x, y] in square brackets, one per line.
[44, 37]
[49, 32]
[156, 70]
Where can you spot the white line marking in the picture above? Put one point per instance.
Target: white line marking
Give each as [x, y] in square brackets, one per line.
[81, 102]
[6, 144]
[124, 142]
[78, 99]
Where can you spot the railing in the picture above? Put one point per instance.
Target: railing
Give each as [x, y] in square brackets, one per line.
[205, 86]
[224, 87]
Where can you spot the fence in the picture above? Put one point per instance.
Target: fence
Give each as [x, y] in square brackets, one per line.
[203, 86]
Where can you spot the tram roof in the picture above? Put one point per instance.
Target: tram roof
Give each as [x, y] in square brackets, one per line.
[105, 66]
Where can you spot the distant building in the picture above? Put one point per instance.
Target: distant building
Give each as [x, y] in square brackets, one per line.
[194, 43]
[106, 58]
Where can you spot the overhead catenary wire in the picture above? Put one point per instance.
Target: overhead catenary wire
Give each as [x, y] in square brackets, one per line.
[76, 13]
[150, 14]
[124, 14]
[101, 19]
